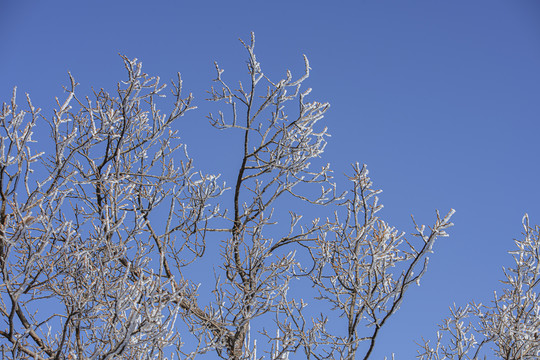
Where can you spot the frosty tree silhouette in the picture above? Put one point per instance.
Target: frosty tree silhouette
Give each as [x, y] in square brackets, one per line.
[509, 327]
[101, 231]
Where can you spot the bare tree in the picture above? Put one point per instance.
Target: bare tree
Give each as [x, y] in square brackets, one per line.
[509, 327]
[101, 232]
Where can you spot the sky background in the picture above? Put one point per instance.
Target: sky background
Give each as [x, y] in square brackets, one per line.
[441, 100]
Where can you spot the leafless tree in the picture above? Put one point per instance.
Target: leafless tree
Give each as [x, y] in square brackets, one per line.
[102, 230]
[507, 328]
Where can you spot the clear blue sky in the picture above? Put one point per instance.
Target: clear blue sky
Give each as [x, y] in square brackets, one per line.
[441, 99]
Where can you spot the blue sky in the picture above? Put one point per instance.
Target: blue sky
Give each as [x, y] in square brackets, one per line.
[440, 99]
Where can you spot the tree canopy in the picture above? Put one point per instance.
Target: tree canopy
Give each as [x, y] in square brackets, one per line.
[104, 229]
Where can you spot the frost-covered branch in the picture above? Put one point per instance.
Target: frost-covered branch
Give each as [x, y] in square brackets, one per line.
[508, 327]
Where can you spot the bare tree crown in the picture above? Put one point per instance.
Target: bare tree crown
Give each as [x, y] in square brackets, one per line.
[99, 232]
